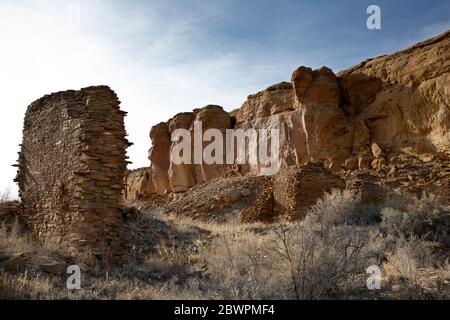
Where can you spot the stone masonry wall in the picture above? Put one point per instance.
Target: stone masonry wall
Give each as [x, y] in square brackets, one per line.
[72, 166]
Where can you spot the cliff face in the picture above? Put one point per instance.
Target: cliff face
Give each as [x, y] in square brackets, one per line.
[403, 99]
[352, 120]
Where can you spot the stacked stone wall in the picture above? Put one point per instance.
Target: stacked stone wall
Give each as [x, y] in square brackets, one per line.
[72, 167]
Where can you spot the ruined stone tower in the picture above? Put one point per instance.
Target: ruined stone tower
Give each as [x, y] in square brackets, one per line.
[71, 169]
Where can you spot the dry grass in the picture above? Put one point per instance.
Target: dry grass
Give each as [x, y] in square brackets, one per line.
[5, 195]
[289, 261]
[323, 257]
[13, 240]
[28, 286]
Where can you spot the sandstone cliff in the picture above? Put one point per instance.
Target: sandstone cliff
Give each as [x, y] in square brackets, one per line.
[351, 120]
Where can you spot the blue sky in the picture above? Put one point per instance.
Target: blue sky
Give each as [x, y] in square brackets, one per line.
[167, 56]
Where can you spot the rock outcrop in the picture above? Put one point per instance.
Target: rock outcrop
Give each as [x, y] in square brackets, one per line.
[159, 155]
[402, 100]
[139, 184]
[353, 120]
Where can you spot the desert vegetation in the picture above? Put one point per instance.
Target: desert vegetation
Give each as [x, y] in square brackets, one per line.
[324, 256]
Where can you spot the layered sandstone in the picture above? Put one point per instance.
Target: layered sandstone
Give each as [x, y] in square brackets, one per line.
[72, 166]
[159, 155]
[139, 184]
[353, 120]
[402, 100]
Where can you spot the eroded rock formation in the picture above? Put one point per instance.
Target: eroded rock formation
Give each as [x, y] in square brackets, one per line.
[72, 167]
[139, 184]
[350, 121]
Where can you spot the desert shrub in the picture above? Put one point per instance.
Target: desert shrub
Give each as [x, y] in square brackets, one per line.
[239, 267]
[406, 262]
[396, 222]
[320, 262]
[5, 195]
[170, 260]
[299, 261]
[344, 207]
[407, 256]
[430, 223]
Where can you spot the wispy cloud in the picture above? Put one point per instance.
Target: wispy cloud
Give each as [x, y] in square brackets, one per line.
[151, 58]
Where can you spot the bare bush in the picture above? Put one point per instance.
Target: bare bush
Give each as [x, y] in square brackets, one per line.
[5, 195]
[405, 263]
[320, 261]
[421, 218]
[298, 261]
[239, 267]
[344, 207]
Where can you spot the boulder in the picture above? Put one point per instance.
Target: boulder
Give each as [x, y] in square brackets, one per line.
[376, 151]
[54, 267]
[139, 184]
[365, 162]
[233, 196]
[351, 163]
[16, 263]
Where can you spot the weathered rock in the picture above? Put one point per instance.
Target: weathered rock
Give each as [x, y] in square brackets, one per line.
[214, 117]
[273, 108]
[364, 162]
[16, 263]
[327, 131]
[376, 151]
[139, 184]
[54, 267]
[159, 155]
[378, 163]
[351, 163]
[182, 176]
[346, 120]
[233, 196]
[246, 192]
[403, 98]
